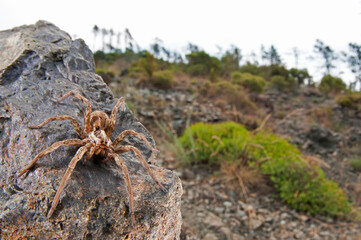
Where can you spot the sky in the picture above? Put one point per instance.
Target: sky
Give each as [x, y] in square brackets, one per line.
[247, 24]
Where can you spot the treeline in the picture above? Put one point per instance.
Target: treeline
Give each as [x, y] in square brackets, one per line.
[147, 64]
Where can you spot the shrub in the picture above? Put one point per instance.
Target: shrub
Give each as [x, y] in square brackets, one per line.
[250, 68]
[212, 143]
[162, 79]
[281, 83]
[106, 75]
[148, 63]
[350, 100]
[301, 185]
[330, 84]
[249, 81]
[201, 64]
[356, 163]
[300, 75]
[233, 94]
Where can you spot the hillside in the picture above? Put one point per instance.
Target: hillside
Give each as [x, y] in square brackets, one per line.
[231, 195]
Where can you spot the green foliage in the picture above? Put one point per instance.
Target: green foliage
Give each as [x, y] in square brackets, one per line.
[281, 83]
[162, 79]
[300, 75]
[271, 55]
[330, 84]
[249, 81]
[354, 62]
[214, 143]
[301, 185]
[201, 64]
[327, 54]
[148, 63]
[350, 100]
[230, 60]
[356, 163]
[250, 68]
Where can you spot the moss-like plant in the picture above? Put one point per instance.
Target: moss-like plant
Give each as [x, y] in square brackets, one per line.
[356, 163]
[162, 79]
[300, 184]
[350, 100]
[331, 84]
[249, 81]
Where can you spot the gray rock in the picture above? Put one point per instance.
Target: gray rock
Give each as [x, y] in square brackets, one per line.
[39, 62]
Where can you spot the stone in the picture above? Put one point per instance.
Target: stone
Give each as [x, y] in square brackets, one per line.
[40, 62]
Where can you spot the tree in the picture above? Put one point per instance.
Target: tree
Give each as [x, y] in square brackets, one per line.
[327, 54]
[111, 34]
[119, 34]
[192, 47]
[156, 46]
[354, 62]
[104, 33]
[230, 60]
[95, 32]
[128, 38]
[271, 55]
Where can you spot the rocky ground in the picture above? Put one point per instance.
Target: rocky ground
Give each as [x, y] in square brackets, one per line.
[214, 207]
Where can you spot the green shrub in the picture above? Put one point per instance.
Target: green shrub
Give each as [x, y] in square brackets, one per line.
[201, 64]
[249, 81]
[281, 83]
[162, 79]
[250, 68]
[330, 84]
[300, 75]
[301, 185]
[214, 143]
[148, 63]
[356, 163]
[350, 100]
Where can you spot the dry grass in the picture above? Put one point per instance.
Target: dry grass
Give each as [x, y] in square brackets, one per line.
[241, 176]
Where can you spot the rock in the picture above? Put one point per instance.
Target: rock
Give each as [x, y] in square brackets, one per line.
[40, 62]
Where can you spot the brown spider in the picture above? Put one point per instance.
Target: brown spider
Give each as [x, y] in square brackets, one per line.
[95, 140]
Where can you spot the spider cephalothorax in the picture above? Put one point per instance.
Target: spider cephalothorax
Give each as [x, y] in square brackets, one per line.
[95, 139]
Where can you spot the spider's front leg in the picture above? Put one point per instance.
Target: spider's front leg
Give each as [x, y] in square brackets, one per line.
[113, 115]
[69, 142]
[79, 154]
[78, 129]
[88, 111]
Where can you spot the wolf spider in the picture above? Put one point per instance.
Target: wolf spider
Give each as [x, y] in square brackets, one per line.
[95, 140]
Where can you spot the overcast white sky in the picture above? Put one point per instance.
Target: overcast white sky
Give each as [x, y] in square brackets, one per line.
[247, 24]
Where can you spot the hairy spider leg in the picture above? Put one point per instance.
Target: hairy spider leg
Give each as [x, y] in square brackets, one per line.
[79, 154]
[127, 148]
[123, 134]
[90, 154]
[124, 168]
[113, 115]
[78, 129]
[69, 142]
[88, 108]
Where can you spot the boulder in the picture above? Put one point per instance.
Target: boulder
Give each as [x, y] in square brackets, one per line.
[38, 63]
